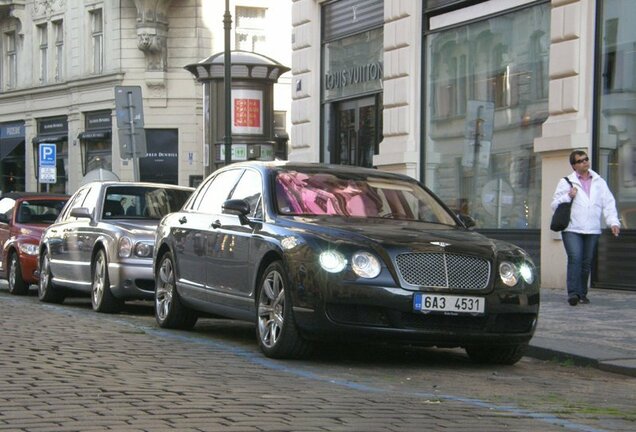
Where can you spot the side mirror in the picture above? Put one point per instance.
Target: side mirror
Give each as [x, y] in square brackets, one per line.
[4, 218]
[466, 220]
[81, 212]
[237, 207]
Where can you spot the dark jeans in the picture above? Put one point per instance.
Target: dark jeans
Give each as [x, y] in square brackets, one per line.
[580, 249]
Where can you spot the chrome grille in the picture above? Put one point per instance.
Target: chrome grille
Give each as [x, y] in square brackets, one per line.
[442, 270]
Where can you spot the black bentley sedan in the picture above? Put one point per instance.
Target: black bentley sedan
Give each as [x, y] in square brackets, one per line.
[311, 252]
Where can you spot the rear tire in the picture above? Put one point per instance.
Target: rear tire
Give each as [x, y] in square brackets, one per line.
[47, 292]
[276, 330]
[17, 285]
[169, 310]
[497, 354]
[102, 297]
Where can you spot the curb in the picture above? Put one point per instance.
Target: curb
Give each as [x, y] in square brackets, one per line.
[610, 361]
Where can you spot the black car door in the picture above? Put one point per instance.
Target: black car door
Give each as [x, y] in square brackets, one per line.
[194, 232]
[229, 267]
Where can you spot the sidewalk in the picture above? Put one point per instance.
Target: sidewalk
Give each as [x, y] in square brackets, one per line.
[601, 334]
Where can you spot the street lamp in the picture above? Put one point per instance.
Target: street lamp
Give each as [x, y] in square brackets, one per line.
[227, 25]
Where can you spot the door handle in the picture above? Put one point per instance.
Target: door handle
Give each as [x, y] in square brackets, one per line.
[216, 224]
[183, 220]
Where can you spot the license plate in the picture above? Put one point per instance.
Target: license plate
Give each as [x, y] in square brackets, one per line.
[449, 303]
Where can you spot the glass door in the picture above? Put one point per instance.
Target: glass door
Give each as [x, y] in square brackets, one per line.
[356, 132]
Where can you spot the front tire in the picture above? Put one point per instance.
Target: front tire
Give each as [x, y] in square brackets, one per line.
[47, 292]
[276, 330]
[17, 285]
[169, 310]
[102, 297]
[497, 354]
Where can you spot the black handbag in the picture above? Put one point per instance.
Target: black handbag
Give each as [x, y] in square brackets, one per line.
[561, 216]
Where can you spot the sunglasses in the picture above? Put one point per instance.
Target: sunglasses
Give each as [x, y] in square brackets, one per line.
[585, 159]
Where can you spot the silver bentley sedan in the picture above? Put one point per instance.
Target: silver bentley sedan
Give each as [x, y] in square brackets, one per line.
[102, 242]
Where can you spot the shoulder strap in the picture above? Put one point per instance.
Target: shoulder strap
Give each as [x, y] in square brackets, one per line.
[571, 185]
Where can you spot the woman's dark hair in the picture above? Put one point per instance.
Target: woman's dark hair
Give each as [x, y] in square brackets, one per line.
[574, 154]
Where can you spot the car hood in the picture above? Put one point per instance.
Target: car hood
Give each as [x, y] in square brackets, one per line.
[31, 231]
[399, 236]
[145, 227]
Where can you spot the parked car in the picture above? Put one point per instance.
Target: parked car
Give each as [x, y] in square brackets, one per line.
[103, 240]
[310, 252]
[23, 217]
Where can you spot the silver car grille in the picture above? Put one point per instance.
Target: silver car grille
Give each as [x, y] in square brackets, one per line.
[442, 270]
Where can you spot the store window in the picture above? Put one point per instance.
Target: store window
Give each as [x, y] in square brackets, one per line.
[12, 148]
[486, 89]
[616, 128]
[52, 131]
[96, 143]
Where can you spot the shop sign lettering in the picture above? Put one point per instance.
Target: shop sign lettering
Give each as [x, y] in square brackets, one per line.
[354, 75]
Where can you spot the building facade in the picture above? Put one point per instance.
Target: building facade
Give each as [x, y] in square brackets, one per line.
[482, 100]
[60, 61]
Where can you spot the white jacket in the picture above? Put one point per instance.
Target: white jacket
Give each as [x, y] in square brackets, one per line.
[586, 210]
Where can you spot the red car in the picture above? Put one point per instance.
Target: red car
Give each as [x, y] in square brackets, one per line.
[23, 217]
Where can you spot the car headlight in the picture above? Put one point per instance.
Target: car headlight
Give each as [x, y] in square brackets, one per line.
[332, 261]
[143, 250]
[508, 273]
[29, 248]
[365, 264]
[526, 272]
[125, 247]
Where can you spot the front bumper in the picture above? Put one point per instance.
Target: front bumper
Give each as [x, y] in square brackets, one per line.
[377, 313]
[29, 268]
[132, 280]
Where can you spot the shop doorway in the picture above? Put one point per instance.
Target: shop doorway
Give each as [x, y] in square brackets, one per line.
[357, 132]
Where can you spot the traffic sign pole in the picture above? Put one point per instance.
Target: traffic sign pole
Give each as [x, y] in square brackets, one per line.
[133, 145]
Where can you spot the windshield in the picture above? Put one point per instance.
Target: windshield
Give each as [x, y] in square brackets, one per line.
[136, 202]
[339, 194]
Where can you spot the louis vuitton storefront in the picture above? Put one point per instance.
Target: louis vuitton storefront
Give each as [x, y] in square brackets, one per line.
[352, 53]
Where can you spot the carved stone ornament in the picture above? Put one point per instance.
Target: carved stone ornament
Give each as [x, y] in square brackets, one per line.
[18, 12]
[155, 48]
[45, 8]
[152, 32]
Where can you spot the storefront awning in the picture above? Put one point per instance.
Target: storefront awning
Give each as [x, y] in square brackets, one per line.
[49, 139]
[94, 135]
[7, 145]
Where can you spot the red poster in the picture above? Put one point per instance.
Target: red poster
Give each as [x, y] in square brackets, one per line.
[247, 113]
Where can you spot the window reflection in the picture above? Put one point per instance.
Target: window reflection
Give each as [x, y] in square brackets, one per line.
[487, 96]
[617, 128]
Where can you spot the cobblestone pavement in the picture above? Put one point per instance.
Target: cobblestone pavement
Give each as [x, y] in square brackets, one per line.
[66, 368]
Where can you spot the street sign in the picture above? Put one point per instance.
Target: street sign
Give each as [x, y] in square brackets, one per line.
[48, 174]
[128, 100]
[48, 154]
[130, 121]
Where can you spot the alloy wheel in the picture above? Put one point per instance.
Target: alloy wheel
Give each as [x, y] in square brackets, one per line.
[45, 275]
[165, 289]
[271, 307]
[99, 279]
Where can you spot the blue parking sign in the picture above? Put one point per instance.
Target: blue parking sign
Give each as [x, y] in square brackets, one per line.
[47, 154]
